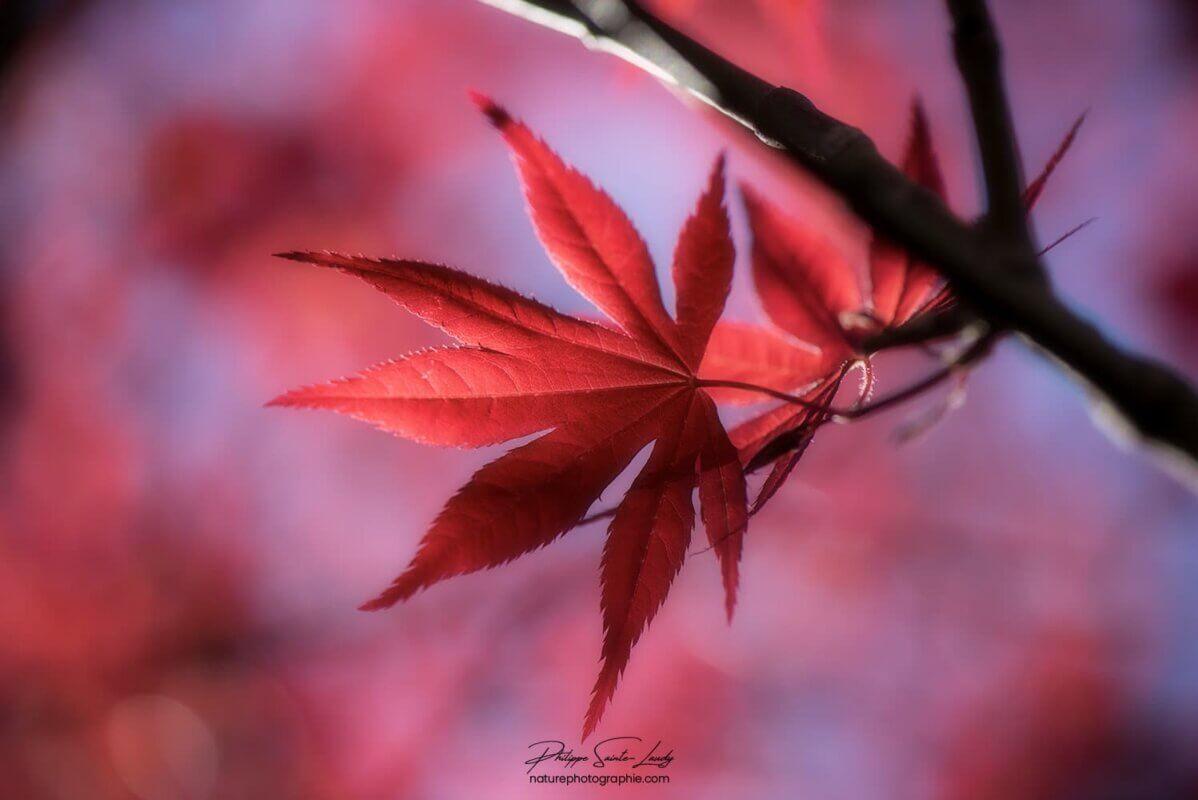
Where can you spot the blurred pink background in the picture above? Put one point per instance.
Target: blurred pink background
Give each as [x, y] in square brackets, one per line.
[1005, 608]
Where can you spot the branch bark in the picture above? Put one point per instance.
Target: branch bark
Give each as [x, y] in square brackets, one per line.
[979, 60]
[1002, 284]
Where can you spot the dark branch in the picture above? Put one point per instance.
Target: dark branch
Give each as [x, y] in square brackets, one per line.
[24, 22]
[979, 58]
[922, 328]
[1149, 398]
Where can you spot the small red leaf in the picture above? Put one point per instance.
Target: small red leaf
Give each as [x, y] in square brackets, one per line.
[920, 163]
[703, 263]
[600, 394]
[803, 281]
[900, 285]
[1034, 189]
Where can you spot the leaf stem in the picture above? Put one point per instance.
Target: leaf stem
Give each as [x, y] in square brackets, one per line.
[1069, 233]
[972, 353]
[752, 387]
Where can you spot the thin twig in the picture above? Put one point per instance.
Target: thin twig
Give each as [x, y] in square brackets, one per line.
[973, 353]
[1075, 229]
[794, 400]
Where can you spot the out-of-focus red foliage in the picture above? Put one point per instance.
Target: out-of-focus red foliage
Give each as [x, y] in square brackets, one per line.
[1177, 292]
[133, 664]
[1061, 726]
[209, 181]
[1005, 606]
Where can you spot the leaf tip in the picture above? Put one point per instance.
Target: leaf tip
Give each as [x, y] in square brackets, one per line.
[401, 588]
[292, 398]
[375, 604]
[730, 568]
[731, 583]
[494, 112]
[590, 723]
[719, 175]
[383, 601]
[919, 114]
[749, 196]
[600, 697]
[294, 255]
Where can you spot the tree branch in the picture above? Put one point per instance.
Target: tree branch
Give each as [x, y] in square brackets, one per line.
[1147, 398]
[979, 59]
[921, 329]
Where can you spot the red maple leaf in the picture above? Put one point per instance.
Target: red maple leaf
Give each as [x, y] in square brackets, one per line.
[597, 394]
[811, 292]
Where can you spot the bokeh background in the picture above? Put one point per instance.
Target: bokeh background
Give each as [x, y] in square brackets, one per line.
[1004, 608]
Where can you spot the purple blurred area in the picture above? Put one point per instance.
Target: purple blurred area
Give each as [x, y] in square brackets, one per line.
[1004, 608]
